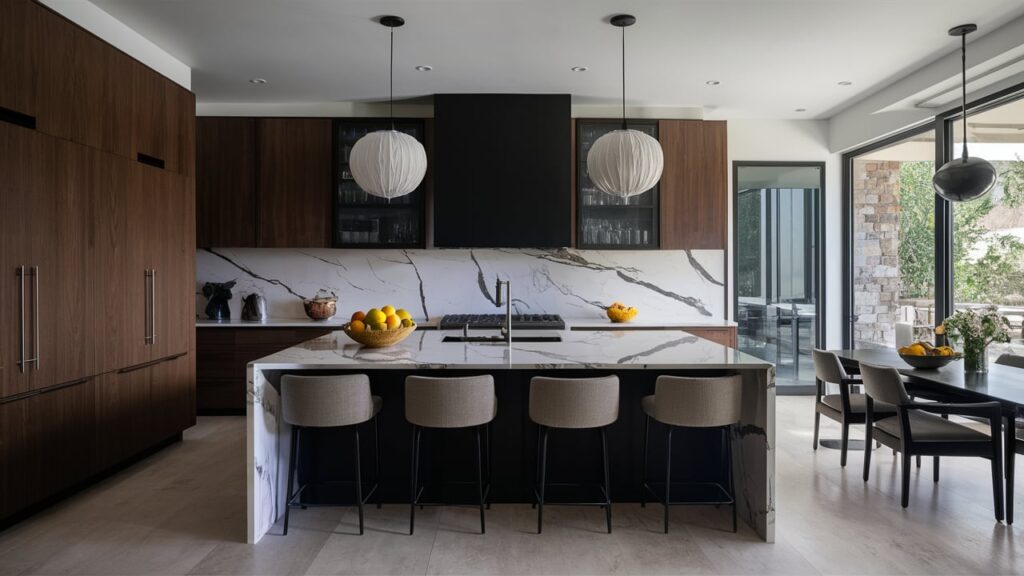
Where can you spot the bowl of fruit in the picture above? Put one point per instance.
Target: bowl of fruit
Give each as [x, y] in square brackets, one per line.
[924, 356]
[619, 312]
[380, 328]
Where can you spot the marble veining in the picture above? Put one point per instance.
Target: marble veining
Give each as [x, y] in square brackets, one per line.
[666, 285]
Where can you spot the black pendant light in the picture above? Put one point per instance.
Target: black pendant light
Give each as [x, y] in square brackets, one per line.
[964, 178]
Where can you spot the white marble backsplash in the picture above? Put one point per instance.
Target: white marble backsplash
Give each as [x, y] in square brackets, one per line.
[668, 285]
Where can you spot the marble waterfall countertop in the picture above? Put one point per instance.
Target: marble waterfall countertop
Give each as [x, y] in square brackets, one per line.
[434, 322]
[630, 349]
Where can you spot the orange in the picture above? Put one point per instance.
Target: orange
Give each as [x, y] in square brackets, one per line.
[393, 322]
[357, 326]
[358, 316]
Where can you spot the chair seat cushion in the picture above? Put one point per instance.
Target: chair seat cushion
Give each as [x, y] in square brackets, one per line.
[858, 404]
[926, 427]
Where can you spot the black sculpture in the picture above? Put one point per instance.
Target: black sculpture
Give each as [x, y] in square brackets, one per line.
[218, 294]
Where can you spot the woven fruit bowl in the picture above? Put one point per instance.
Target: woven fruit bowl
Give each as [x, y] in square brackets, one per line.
[620, 313]
[379, 338]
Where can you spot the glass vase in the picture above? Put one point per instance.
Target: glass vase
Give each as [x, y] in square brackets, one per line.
[975, 359]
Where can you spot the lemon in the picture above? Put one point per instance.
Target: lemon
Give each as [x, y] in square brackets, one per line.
[917, 350]
[393, 322]
[357, 326]
[388, 310]
[407, 322]
[379, 326]
[403, 314]
[374, 316]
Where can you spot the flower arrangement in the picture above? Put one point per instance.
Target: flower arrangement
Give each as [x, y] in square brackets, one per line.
[973, 330]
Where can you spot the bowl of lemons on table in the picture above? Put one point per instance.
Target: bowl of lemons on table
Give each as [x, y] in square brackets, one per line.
[927, 357]
[380, 327]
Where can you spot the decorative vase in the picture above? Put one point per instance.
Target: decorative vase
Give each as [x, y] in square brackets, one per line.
[975, 358]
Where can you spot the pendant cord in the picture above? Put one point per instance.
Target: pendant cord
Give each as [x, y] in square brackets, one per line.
[963, 86]
[391, 81]
[623, 77]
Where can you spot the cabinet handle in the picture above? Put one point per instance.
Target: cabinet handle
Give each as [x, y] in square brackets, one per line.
[147, 319]
[21, 317]
[35, 314]
[152, 306]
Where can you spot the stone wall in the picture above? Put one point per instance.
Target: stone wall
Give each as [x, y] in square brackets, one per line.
[876, 273]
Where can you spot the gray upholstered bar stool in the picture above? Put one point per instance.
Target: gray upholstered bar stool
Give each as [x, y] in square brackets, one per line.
[573, 404]
[330, 402]
[449, 403]
[680, 402]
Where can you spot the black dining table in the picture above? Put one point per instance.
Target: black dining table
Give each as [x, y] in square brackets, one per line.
[1003, 384]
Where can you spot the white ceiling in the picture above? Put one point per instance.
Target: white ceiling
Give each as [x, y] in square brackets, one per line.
[771, 56]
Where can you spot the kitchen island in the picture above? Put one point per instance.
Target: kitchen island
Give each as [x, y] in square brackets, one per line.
[636, 357]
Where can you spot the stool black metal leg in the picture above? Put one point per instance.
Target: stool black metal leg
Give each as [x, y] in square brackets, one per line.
[643, 471]
[291, 476]
[414, 458]
[536, 466]
[480, 478]
[376, 457]
[543, 469]
[607, 482]
[490, 466]
[732, 477]
[668, 476]
[359, 483]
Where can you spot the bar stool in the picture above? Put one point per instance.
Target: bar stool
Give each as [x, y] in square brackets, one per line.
[330, 402]
[680, 402]
[449, 403]
[573, 404]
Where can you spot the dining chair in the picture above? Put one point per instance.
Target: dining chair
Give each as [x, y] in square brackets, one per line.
[923, 429]
[847, 407]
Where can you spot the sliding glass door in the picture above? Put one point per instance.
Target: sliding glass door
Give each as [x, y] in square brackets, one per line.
[777, 207]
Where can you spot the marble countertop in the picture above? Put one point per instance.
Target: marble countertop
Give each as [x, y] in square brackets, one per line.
[570, 323]
[640, 349]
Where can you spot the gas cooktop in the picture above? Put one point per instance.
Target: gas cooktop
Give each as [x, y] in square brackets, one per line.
[496, 321]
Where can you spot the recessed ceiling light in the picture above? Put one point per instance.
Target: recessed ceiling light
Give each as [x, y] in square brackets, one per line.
[424, 68]
[800, 110]
[845, 83]
[257, 80]
[579, 68]
[712, 82]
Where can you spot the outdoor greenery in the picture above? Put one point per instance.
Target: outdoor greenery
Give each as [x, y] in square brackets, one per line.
[988, 266]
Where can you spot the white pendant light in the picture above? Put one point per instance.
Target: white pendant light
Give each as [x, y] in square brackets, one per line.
[388, 163]
[967, 177]
[625, 162]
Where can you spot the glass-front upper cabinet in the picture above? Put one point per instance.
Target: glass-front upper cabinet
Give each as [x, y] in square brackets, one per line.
[364, 221]
[608, 222]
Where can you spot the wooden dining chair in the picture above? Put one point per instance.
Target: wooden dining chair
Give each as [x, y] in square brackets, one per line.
[922, 429]
[847, 407]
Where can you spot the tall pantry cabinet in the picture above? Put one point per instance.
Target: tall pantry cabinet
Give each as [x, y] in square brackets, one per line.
[97, 257]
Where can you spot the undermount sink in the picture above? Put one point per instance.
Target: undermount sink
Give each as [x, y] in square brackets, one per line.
[499, 339]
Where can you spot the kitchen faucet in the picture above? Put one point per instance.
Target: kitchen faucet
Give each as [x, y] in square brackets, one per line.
[506, 330]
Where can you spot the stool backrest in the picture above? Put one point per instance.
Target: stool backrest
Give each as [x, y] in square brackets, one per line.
[827, 367]
[883, 384]
[574, 402]
[1011, 360]
[457, 402]
[326, 401]
[698, 402]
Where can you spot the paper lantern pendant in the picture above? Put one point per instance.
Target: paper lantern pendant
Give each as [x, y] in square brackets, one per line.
[388, 163]
[625, 162]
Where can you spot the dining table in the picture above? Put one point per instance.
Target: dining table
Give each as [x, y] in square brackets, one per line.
[1002, 384]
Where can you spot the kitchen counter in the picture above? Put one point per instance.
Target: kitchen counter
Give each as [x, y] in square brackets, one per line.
[434, 322]
[336, 322]
[636, 357]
